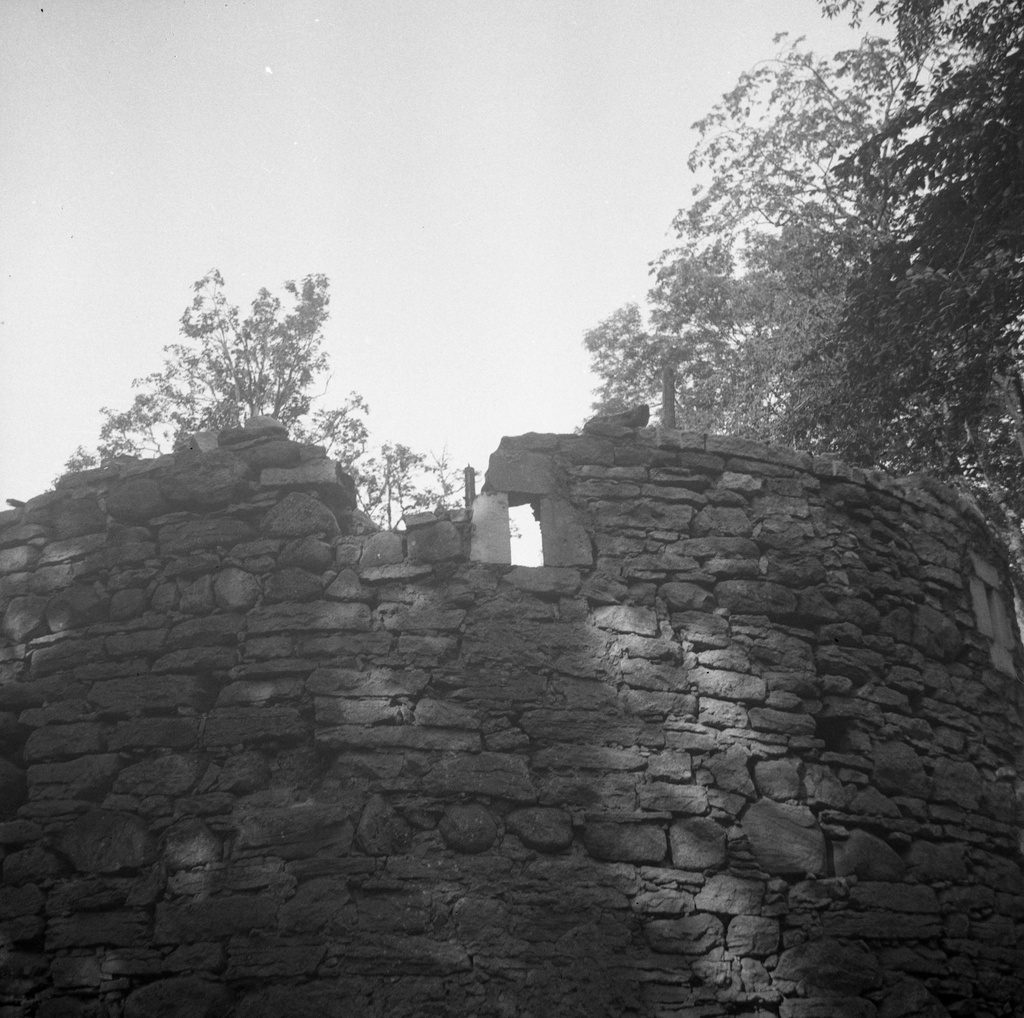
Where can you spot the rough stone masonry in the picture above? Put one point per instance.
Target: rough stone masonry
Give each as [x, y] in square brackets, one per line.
[747, 743]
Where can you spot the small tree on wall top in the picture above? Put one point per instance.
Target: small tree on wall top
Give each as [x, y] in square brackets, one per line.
[231, 367]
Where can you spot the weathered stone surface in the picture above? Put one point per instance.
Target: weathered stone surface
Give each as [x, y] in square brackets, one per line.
[299, 515]
[209, 919]
[77, 606]
[626, 619]
[86, 777]
[469, 829]
[136, 500]
[868, 857]
[545, 580]
[291, 585]
[541, 828]
[500, 775]
[25, 617]
[438, 542]
[188, 843]
[731, 895]
[314, 617]
[184, 997]
[691, 935]
[193, 535]
[103, 841]
[13, 786]
[829, 967]
[755, 597]
[785, 837]
[309, 553]
[637, 843]
[381, 830]
[205, 481]
[525, 473]
[697, 843]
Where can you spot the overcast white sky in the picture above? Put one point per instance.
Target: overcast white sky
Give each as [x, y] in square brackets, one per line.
[482, 181]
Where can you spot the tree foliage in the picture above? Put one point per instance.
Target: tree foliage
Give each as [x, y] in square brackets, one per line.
[269, 362]
[764, 252]
[872, 209]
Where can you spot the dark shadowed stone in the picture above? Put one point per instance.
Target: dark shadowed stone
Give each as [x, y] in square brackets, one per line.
[686, 597]
[189, 921]
[244, 772]
[754, 597]
[697, 843]
[911, 999]
[103, 841]
[73, 517]
[279, 453]
[127, 604]
[299, 515]
[542, 829]
[638, 843]
[898, 769]
[307, 553]
[437, 542]
[162, 733]
[77, 606]
[87, 777]
[13, 787]
[25, 618]
[172, 774]
[331, 999]
[192, 535]
[317, 616]
[291, 585]
[151, 692]
[469, 829]
[205, 480]
[956, 781]
[867, 857]
[317, 905]
[497, 774]
[381, 830]
[136, 500]
[55, 741]
[691, 935]
[179, 997]
[935, 634]
[785, 838]
[830, 967]
[930, 861]
[189, 842]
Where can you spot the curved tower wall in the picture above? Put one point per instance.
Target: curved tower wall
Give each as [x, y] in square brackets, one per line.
[746, 744]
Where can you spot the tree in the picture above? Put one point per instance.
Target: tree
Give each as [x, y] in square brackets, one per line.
[936, 314]
[231, 368]
[397, 482]
[764, 253]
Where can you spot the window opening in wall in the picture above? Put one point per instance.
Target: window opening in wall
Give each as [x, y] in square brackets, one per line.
[992, 614]
[524, 521]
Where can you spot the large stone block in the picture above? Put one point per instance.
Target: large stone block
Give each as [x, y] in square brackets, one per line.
[205, 480]
[829, 967]
[499, 775]
[179, 997]
[624, 842]
[697, 843]
[299, 514]
[520, 472]
[540, 828]
[785, 838]
[104, 841]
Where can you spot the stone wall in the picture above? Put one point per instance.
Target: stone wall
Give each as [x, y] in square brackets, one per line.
[746, 745]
